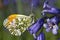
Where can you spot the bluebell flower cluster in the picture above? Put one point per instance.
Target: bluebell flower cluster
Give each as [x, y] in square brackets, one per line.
[50, 9]
[51, 23]
[36, 26]
[41, 36]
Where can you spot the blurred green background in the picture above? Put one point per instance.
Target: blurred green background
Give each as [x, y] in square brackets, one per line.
[21, 7]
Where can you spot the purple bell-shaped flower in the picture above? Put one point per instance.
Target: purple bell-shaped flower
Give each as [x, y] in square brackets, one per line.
[41, 36]
[36, 26]
[51, 25]
[49, 2]
[50, 9]
[45, 6]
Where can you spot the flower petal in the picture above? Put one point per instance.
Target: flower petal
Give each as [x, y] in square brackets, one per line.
[34, 36]
[54, 20]
[41, 36]
[51, 11]
[49, 2]
[54, 31]
[48, 30]
[35, 27]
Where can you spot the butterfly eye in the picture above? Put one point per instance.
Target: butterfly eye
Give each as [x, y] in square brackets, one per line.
[18, 25]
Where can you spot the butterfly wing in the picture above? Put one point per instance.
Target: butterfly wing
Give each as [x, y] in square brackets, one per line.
[17, 24]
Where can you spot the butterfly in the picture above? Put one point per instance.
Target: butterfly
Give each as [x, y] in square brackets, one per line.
[17, 23]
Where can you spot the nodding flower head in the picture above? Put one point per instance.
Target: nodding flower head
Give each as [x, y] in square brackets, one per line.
[17, 24]
[41, 36]
[52, 10]
[36, 26]
[45, 4]
[49, 3]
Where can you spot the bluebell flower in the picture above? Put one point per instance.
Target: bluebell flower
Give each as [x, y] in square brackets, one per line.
[41, 36]
[45, 5]
[54, 29]
[36, 26]
[50, 9]
[52, 25]
[49, 2]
